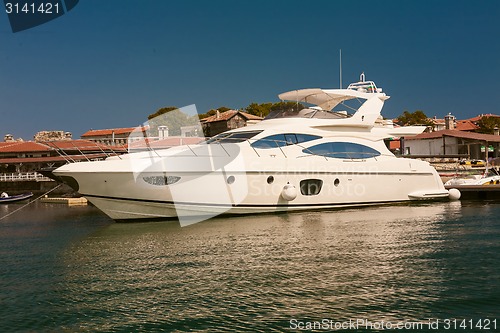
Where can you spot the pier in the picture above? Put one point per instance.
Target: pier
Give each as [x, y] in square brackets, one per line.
[482, 192]
[21, 182]
[66, 201]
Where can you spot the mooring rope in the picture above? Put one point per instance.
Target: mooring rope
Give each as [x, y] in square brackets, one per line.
[29, 203]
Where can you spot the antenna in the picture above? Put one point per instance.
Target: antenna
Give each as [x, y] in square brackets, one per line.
[340, 65]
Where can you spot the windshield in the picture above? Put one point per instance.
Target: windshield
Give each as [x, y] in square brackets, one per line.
[306, 113]
[235, 137]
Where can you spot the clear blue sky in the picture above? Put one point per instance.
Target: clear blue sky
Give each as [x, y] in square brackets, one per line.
[111, 63]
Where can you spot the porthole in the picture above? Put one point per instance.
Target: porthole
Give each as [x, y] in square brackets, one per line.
[230, 180]
[270, 179]
[336, 182]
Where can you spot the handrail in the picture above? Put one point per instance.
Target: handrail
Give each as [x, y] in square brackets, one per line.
[23, 176]
[259, 152]
[95, 151]
[345, 155]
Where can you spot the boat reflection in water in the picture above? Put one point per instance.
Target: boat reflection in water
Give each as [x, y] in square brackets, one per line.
[375, 263]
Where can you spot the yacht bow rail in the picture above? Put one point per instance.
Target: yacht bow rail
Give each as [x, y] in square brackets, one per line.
[98, 153]
[90, 152]
[24, 176]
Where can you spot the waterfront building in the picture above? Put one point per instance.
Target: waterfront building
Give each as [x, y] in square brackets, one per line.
[449, 136]
[114, 136]
[29, 156]
[450, 122]
[21, 161]
[452, 142]
[224, 121]
[46, 136]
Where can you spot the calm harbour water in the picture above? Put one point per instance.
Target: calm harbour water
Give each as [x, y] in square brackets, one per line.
[71, 269]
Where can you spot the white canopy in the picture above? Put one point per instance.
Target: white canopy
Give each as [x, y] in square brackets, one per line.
[327, 99]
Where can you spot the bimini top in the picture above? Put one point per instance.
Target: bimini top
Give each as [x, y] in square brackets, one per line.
[327, 99]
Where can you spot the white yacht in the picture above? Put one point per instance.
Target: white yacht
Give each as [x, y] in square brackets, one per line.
[308, 159]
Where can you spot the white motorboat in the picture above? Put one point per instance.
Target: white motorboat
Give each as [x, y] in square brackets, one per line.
[301, 160]
[489, 177]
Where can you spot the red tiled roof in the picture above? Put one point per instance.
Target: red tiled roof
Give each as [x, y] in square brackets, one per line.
[477, 118]
[456, 134]
[49, 159]
[465, 125]
[110, 131]
[229, 114]
[437, 121]
[22, 147]
[32, 147]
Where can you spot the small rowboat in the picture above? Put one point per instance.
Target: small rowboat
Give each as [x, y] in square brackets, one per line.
[5, 198]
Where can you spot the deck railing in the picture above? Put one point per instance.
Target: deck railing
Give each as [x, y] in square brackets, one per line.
[23, 176]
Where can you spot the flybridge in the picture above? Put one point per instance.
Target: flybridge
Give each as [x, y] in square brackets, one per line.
[327, 99]
[365, 115]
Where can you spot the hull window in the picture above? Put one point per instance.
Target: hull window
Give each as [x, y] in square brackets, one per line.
[343, 150]
[310, 186]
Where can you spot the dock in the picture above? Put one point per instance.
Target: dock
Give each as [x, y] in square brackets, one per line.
[481, 192]
[68, 201]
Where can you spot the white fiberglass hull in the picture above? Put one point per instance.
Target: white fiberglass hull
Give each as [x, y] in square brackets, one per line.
[129, 195]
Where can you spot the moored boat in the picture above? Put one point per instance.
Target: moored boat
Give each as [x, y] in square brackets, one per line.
[313, 158]
[489, 177]
[5, 198]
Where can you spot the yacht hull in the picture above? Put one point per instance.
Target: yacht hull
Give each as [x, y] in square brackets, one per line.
[127, 196]
[125, 210]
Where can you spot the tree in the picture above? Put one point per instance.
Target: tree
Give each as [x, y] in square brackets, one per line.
[414, 118]
[263, 109]
[487, 124]
[213, 112]
[162, 111]
[171, 117]
[260, 110]
[287, 106]
[223, 108]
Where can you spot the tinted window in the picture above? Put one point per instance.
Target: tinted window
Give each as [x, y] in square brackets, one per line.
[290, 139]
[347, 150]
[272, 141]
[280, 140]
[306, 137]
[232, 137]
